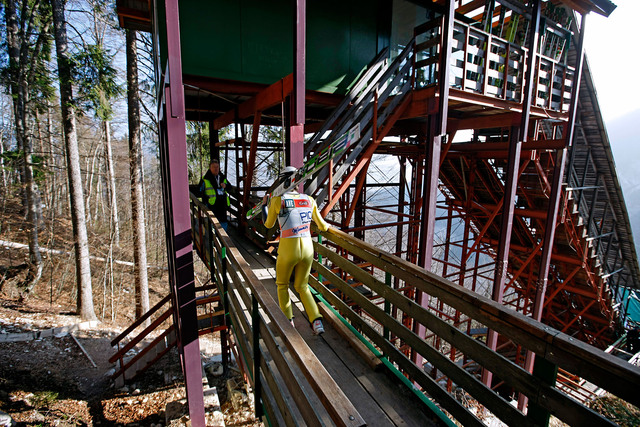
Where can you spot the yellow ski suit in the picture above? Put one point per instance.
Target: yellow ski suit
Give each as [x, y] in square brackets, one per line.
[294, 212]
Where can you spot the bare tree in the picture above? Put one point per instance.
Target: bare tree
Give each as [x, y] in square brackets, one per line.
[3, 131]
[28, 24]
[83, 267]
[135, 166]
[97, 88]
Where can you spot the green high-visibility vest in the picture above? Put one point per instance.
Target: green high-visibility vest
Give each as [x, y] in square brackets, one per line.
[211, 194]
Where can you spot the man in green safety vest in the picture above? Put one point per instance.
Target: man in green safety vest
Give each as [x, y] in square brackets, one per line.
[214, 189]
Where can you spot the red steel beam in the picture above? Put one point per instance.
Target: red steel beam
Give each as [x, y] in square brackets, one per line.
[362, 179]
[436, 132]
[545, 261]
[365, 157]
[251, 165]
[478, 147]
[267, 97]
[517, 137]
[561, 286]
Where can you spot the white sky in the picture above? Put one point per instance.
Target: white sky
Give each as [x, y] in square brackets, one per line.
[612, 52]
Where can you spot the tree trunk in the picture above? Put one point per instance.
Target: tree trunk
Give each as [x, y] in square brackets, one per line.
[91, 173]
[31, 190]
[4, 175]
[19, 68]
[39, 193]
[81, 243]
[135, 166]
[53, 162]
[99, 196]
[112, 182]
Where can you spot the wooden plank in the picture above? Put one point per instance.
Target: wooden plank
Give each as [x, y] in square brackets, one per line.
[468, 382]
[332, 362]
[349, 383]
[427, 62]
[123, 369]
[244, 341]
[372, 392]
[427, 44]
[290, 381]
[140, 321]
[146, 331]
[455, 296]
[434, 389]
[273, 401]
[339, 407]
[362, 350]
[422, 28]
[376, 391]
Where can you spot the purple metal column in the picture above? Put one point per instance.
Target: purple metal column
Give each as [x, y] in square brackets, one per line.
[517, 137]
[178, 222]
[554, 201]
[436, 134]
[296, 127]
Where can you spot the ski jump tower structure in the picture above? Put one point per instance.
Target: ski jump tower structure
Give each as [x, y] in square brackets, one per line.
[496, 172]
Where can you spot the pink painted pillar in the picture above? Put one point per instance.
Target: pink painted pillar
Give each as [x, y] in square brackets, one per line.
[296, 125]
[178, 222]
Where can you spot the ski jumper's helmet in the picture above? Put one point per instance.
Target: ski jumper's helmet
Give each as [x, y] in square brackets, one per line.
[287, 174]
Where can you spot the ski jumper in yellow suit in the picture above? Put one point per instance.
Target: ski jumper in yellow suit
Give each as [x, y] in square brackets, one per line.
[294, 212]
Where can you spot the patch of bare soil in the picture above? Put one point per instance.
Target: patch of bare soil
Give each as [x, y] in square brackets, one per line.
[50, 381]
[47, 379]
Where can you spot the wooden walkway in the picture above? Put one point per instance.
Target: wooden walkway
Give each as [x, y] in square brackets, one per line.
[378, 396]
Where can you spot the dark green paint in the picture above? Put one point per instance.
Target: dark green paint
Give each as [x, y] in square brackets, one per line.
[252, 40]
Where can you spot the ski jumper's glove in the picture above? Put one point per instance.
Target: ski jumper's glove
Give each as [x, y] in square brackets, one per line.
[265, 207]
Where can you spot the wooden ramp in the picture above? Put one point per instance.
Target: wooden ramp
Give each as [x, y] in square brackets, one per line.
[301, 379]
[379, 397]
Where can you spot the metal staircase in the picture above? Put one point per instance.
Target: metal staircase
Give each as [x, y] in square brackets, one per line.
[375, 102]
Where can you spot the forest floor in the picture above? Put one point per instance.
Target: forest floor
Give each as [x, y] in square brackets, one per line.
[49, 380]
